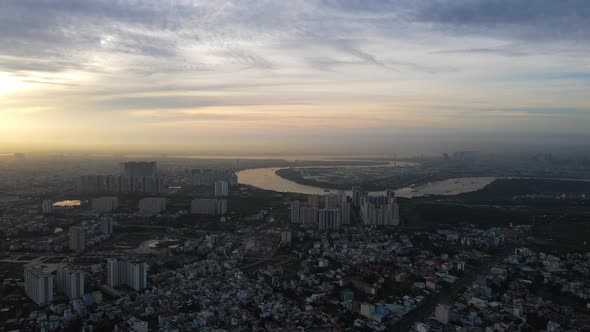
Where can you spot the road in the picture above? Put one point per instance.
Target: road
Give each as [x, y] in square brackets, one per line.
[426, 307]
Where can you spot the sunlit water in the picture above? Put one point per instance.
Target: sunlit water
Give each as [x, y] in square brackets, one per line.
[266, 178]
[67, 203]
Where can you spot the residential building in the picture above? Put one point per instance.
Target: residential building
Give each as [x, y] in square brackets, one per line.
[106, 225]
[77, 240]
[116, 184]
[47, 206]
[105, 204]
[207, 177]
[127, 272]
[221, 188]
[308, 216]
[38, 282]
[379, 210]
[345, 213]
[286, 237]
[209, 206]
[295, 211]
[331, 201]
[329, 219]
[357, 193]
[70, 282]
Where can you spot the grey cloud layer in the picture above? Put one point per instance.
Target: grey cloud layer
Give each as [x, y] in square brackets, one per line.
[66, 31]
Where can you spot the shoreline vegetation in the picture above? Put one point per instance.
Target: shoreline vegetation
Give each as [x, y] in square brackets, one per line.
[393, 182]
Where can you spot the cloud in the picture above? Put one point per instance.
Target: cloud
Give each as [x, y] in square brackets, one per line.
[51, 35]
[409, 59]
[529, 112]
[509, 51]
[540, 20]
[244, 57]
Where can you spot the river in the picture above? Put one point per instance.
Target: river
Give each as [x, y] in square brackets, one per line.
[266, 178]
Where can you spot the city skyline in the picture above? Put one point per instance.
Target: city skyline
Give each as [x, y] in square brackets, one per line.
[267, 76]
[303, 165]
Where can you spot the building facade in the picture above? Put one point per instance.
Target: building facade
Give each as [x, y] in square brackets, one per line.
[38, 284]
[221, 188]
[329, 219]
[70, 282]
[47, 206]
[209, 206]
[128, 273]
[379, 210]
[106, 225]
[105, 204]
[77, 239]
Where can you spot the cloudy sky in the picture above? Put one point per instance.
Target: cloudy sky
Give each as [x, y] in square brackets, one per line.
[213, 76]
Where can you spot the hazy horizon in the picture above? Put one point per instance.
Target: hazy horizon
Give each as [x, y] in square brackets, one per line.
[297, 77]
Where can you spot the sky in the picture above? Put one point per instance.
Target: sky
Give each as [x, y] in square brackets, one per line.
[291, 76]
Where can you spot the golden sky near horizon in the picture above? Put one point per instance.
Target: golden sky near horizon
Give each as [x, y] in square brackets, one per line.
[269, 74]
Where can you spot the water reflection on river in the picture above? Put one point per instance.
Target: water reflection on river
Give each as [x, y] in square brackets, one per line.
[266, 178]
[68, 203]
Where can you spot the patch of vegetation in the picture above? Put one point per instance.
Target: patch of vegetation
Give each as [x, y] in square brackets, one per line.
[565, 236]
[559, 225]
[502, 190]
[435, 214]
[250, 200]
[390, 182]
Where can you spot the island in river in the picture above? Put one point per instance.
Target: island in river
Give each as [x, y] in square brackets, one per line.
[389, 180]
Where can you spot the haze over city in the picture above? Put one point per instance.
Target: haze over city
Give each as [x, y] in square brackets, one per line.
[229, 77]
[294, 165]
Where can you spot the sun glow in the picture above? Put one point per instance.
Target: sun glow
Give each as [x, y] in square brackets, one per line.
[10, 83]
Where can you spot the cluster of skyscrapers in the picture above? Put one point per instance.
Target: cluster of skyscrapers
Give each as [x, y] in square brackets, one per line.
[327, 212]
[208, 177]
[39, 282]
[221, 180]
[379, 210]
[135, 178]
[330, 212]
